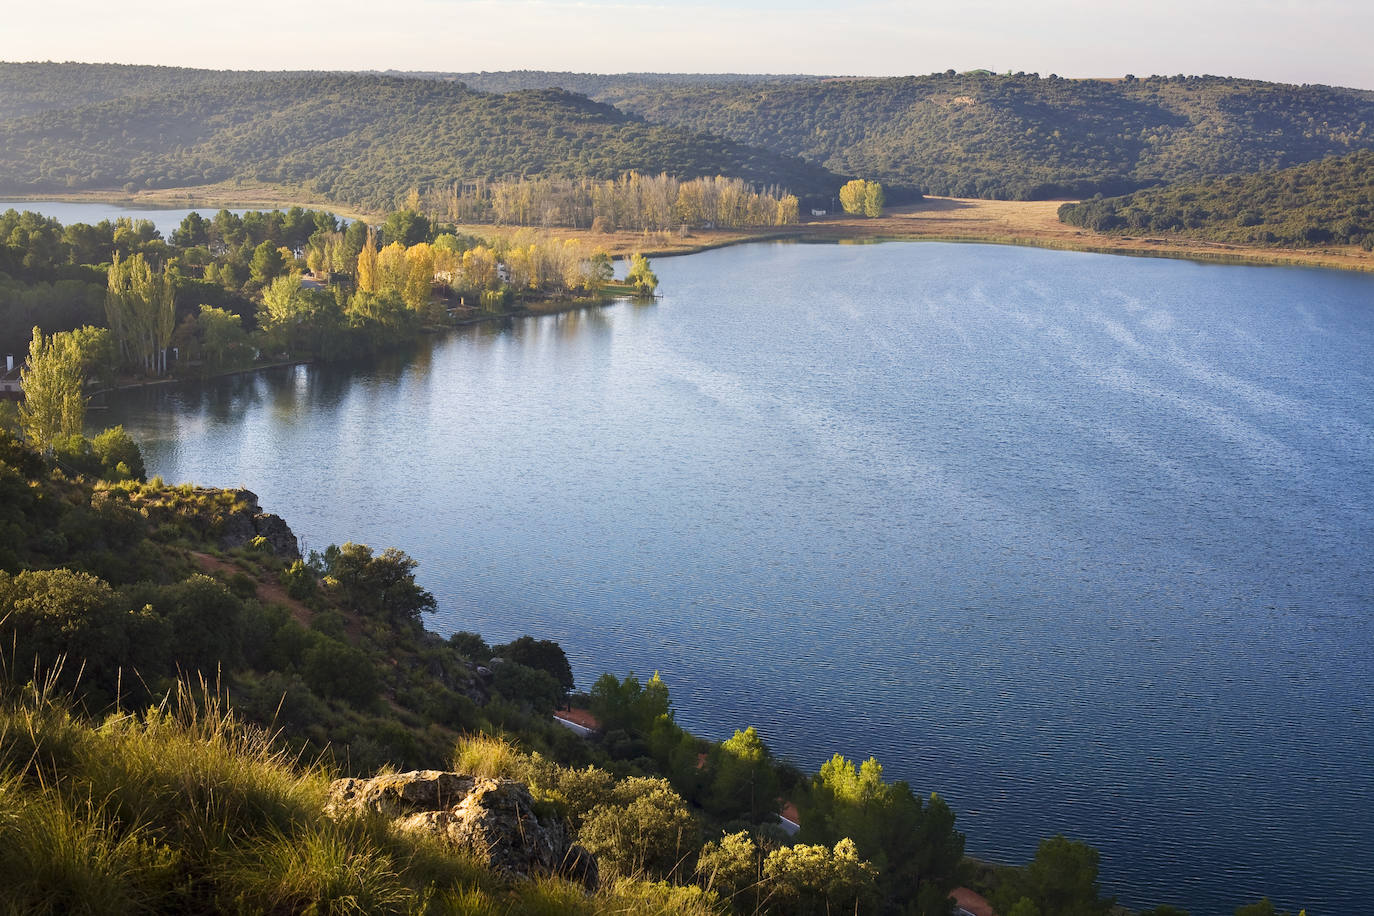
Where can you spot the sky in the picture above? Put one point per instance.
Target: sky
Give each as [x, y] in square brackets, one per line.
[1294, 41]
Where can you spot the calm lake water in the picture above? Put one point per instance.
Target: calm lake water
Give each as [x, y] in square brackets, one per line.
[1081, 542]
[166, 219]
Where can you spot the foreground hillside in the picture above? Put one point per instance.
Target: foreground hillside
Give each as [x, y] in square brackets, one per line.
[1021, 136]
[365, 141]
[1326, 202]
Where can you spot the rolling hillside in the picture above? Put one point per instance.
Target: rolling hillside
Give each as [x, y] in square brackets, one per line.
[1015, 136]
[358, 139]
[1330, 201]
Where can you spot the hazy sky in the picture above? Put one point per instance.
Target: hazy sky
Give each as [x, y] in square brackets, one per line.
[1300, 41]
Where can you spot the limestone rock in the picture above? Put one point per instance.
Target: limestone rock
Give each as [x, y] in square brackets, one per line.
[493, 818]
[397, 795]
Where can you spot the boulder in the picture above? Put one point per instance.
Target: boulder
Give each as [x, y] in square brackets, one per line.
[397, 795]
[491, 818]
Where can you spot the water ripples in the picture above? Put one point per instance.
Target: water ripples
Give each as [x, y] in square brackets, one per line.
[1079, 542]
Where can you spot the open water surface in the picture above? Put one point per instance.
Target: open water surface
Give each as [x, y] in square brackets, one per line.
[1084, 543]
[166, 219]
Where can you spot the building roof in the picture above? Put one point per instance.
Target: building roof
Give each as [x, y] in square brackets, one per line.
[971, 902]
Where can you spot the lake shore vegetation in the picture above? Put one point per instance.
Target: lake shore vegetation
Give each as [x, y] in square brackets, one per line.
[1328, 202]
[230, 293]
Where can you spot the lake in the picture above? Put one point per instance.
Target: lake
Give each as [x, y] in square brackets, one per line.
[1081, 542]
[166, 219]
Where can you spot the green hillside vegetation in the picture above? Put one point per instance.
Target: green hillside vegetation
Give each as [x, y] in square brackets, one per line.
[365, 141]
[1330, 201]
[1021, 136]
[30, 88]
[599, 85]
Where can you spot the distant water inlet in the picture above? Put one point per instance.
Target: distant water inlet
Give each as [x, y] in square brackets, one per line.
[1081, 542]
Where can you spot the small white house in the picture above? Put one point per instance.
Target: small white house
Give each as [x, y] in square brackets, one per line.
[10, 389]
[815, 212]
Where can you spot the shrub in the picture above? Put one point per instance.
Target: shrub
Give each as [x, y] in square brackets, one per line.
[299, 581]
[336, 670]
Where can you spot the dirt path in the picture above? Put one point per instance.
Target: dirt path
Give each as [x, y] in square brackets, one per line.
[268, 592]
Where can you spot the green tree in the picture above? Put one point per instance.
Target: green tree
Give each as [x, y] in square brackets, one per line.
[140, 306]
[56, 614]
[54, 406]
[805, 880]
[731, 868]
[602, 270]
[646, 829]
[120, 456]
[99, 354]
[527, 687]
[628, 704]
[194, 230]
[540, 654]
[746, 779]
[383, 585]
[915, 846]
[1062, 879]
[874, 199]
[223, 341]
[644, 280]
[283, 310]
[336, 669]
[267, 265]
[407, 227]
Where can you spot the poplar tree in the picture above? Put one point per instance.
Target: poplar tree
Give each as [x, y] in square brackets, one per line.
[54, 406]
[367, 264]
[140, 306]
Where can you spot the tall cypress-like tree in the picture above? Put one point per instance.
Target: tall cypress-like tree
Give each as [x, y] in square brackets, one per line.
[140, 305]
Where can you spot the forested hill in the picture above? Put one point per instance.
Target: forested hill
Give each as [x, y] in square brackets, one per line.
[29, 88]
[1326, 202]
[603, 86]
[1021, 136]
[362, 140]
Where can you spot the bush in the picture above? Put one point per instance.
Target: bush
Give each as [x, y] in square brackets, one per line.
[646, 829]
[338, 671]
[471, 646]
[299, 581]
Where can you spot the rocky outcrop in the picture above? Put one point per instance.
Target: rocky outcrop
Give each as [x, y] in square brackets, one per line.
[491, 818]
[246, 521]
[279, 535]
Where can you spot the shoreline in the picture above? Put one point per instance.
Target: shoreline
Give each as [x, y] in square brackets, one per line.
[938, 219]
[1033, 224]
[561, 307]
